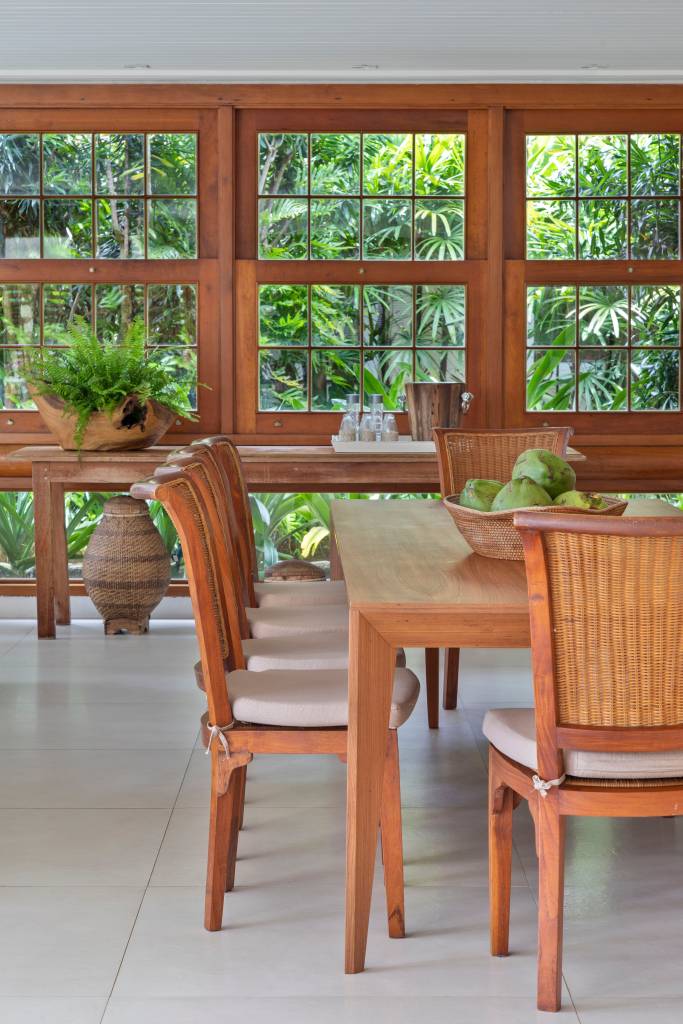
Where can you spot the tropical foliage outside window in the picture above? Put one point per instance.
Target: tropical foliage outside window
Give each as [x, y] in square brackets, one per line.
[608, 347]
[32, 315]
[352, 196]
[319, 342]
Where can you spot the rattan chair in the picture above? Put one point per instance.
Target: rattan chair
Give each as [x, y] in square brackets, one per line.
[486, 455]
[606, 739]
[268, 712]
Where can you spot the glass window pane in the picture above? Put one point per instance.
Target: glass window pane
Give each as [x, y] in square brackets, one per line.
[283, 380]
[387, 229]
[388, 315]
[335, 164]
[550, 230]
[550, 380]
[387, 165]
[67, 164]
[603, 315]
[655, 165]
[118, 305]
[440, 365]
[172, 314]
[283, 164]
[120, 164]
[62, 304]
[172, 229]
[67, 229]
[440, 165]
[656, 314]
[335, 373]
[335, 229]
[120, 229]
[19, 229]
[440, 315]
[439, 229]
[654, 229]
[603, 165]
[283, 229]
[13, 391]
[335, 314]
[19, 314]
[551, 315]
[603, 229]
[602, 381]
[550, 165]
[19, 164]
[182, 362]
[283, 314]
[385, 374]
[173, 164]
[655, 380]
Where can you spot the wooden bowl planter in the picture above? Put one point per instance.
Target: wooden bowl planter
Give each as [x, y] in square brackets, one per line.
[132, 425]
[494, 534]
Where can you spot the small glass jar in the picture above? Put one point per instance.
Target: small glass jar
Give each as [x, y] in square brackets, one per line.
[348, 428]
[389, 427]
[366, 431]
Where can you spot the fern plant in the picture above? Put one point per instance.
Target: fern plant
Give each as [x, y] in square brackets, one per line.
[90, 376]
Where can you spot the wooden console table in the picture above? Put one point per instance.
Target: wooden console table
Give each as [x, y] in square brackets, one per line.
[267, 468]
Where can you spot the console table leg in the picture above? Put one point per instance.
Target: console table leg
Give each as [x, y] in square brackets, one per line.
[60, 555]
[42, 514]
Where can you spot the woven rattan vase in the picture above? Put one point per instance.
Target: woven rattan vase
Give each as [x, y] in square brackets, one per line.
[126, 566]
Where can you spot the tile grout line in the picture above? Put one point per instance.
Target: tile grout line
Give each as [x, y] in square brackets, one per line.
[149, 878]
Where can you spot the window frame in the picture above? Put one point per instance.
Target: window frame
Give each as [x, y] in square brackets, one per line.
[252, 272]
[203, 272]
[521, 273]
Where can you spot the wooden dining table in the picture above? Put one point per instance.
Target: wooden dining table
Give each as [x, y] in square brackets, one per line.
[412, 581]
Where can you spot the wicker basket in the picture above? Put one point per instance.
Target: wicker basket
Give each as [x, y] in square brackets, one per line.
[294, 570]
[493, 534]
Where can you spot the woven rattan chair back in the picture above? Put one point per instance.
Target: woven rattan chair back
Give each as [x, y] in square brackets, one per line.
[606, 602]
[489, 454]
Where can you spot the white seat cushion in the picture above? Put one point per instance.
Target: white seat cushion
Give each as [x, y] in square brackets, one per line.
[309, 699]
[271, 622]
[512, 731]
[314, 651]
[273, 594]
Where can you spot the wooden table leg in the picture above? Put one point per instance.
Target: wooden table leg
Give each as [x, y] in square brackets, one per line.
[42, 515]
[60, 555]
[336, 571]
[371, 669]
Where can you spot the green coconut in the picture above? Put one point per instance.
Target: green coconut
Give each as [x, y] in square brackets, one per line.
[549, 471]
[581, 499]
[479, 494]
[520, 493]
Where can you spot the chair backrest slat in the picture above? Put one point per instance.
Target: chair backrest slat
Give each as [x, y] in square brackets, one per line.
[489, 454]
[606, 605]
[183, 502]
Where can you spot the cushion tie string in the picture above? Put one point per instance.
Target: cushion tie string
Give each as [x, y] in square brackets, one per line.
[542, 786]
[218, 731]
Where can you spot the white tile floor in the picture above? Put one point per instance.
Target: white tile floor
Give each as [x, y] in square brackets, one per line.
[103, 797]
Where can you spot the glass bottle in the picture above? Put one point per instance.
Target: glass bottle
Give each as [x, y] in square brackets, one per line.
[377, 414]
[389, 427]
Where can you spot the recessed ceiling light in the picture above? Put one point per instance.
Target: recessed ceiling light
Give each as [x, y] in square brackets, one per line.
[365, 67]
[136, 67]
[594, 67]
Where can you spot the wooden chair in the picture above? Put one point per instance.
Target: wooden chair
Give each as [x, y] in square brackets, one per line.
[486, 455]
[606, 604]
[269, 712]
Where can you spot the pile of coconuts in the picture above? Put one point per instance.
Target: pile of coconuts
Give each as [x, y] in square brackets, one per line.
[538, 478]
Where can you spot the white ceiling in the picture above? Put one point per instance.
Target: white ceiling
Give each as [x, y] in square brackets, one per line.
[341, 40]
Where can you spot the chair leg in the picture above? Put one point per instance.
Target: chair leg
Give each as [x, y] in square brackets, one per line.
[243, 777]
[392, 839]
[550, 825]
[222, 827]
[500, 859]
[236, 814]
[450, 680]
[432, 677]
